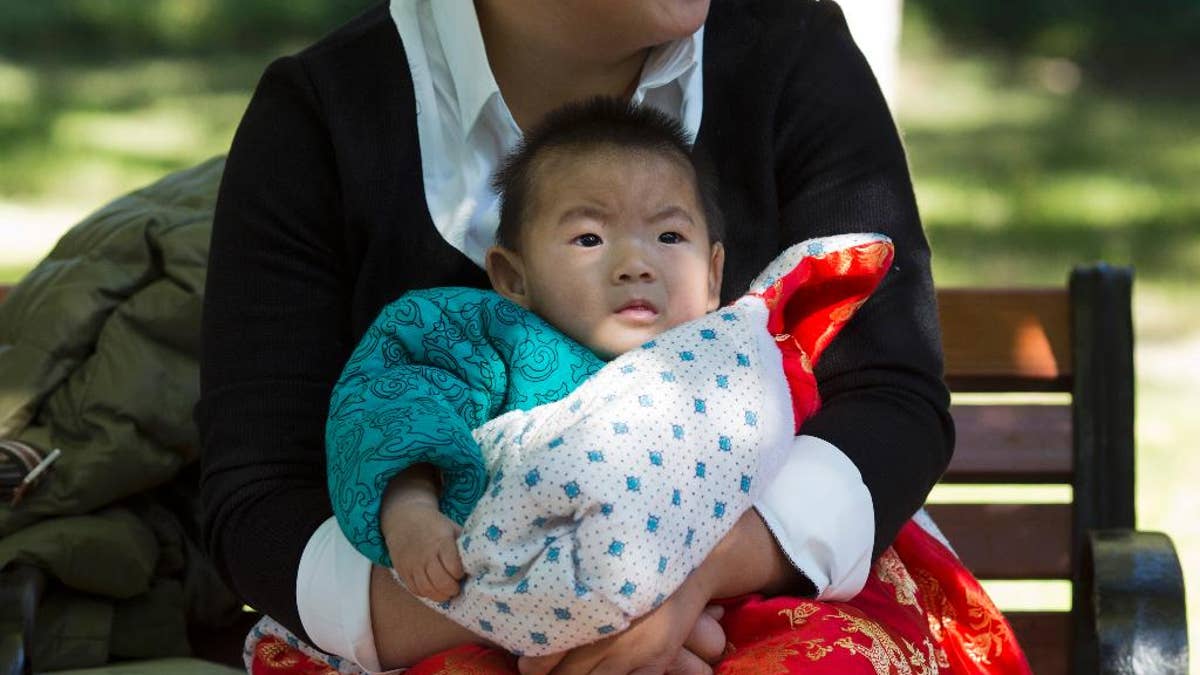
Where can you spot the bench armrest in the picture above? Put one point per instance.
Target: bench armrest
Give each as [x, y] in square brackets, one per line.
[1133, 620]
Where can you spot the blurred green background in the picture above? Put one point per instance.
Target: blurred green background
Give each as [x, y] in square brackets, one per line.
[1041, 134]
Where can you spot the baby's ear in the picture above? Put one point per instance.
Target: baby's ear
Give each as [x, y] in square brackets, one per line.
[716, 272]
[507, 274]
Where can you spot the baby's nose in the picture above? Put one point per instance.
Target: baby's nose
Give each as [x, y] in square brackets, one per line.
[643, 275]
[634, 268]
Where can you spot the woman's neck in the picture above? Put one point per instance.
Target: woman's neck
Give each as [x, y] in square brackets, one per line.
[536, 75]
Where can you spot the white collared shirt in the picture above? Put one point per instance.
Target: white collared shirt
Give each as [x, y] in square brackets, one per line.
[816, 507]
[465, 127]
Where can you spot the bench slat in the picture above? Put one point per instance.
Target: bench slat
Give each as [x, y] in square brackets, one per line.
[1006, 339]
[1009, 541]
[1011, 444]
[1045, 637]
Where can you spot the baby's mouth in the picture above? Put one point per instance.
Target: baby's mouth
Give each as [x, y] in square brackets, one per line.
[641, 310]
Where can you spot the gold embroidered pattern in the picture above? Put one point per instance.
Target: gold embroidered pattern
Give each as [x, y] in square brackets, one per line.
[844, 262]
[799, 614]
[863, 637]
[771, 297]
[883, 653]
[816, 649]
[987, 637]
[874, 254]
[276, 655]
[805, 360]
[765, 658]
[891, 570]
[982, 638]
[842, 314]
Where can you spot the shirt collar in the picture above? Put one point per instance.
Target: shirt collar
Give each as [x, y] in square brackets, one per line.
[474, 85]
[466, 58]
[672, 61]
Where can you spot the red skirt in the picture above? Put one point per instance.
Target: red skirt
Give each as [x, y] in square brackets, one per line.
[921, 612]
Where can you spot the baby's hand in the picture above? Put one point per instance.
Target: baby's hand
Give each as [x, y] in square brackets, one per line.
[421, 542]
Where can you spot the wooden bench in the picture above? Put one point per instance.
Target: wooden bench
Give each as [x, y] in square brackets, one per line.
[1127, 612]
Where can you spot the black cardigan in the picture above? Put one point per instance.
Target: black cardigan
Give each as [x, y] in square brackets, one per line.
[321, 220]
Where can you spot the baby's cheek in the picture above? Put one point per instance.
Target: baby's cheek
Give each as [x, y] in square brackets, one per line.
[688, 309]
[568, 318]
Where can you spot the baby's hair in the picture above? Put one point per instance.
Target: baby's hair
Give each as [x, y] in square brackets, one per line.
[596, 125]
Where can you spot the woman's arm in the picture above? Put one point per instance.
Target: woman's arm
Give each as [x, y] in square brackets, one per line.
[274, 339]
[840, 167]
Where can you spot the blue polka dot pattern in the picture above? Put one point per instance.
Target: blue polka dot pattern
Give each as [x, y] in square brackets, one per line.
[623, 502]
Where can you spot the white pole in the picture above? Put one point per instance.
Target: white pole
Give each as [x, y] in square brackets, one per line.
[875, 25]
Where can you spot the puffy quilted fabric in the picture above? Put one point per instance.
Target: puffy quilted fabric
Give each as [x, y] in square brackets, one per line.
[99, 343]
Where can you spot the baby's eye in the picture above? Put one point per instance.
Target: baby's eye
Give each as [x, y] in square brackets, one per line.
[670, 237]
[588, 240]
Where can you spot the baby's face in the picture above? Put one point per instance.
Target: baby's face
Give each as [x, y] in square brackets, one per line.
[615, 248]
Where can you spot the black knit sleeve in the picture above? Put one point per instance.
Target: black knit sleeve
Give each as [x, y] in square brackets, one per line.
[274, 342]
[840, 167]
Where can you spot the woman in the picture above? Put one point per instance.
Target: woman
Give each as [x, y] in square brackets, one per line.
[360, 172]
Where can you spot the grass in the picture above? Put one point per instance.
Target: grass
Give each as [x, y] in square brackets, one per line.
[1023, 168]
[86, 131]
[1040, 180]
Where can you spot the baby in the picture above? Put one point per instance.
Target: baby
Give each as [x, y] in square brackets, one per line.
[487, 432]
[611, 244]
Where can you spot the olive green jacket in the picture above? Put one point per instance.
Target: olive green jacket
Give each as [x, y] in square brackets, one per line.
[98, 357]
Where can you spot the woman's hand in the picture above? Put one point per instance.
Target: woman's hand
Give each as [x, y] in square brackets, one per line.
[681, 637]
